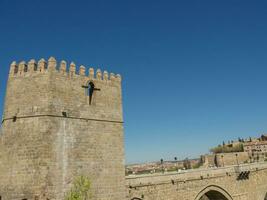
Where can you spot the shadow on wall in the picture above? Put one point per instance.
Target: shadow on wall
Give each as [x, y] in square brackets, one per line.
[213, 193]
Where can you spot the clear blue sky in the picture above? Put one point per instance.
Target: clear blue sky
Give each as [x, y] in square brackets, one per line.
[194, 72]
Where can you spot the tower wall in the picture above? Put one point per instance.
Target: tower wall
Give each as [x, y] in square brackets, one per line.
[53, 131]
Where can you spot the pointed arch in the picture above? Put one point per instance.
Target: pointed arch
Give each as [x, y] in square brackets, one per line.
[213, 192]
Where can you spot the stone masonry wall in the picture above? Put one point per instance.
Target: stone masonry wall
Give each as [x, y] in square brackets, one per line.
[224, 159]
[51, 133]
[192, 185]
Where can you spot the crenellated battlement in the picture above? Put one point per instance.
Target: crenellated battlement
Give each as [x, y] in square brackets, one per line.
[42, 66]
[63, 87]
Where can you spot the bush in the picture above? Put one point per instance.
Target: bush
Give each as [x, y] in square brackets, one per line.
[80, 190]
[227, 149]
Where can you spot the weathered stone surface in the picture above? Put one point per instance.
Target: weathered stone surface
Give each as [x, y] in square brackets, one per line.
[209, 184]
[225, 159]
[51, 134]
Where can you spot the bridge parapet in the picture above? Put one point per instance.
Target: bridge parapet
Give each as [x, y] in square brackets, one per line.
[238, 182]
[191, 175]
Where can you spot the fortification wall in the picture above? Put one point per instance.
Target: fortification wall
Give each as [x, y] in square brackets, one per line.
[224, 159]
[53, 133]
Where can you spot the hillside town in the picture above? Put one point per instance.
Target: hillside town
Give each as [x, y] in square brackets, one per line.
[233, 152]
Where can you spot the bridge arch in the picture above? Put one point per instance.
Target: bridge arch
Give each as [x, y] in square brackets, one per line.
[213, 192]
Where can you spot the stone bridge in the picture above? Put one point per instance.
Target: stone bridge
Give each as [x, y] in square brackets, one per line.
[242, 182]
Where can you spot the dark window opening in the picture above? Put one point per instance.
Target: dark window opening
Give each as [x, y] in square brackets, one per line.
[64, 114]
[14, 118]
[91, 88]
[35, 67]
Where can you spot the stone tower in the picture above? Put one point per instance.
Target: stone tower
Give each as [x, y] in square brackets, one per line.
[58, 123]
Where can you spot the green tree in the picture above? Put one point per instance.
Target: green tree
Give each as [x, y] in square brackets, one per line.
[227, 149]
[80, 189]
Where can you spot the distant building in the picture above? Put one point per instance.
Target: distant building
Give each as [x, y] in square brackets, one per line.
[256, 147]
[264, 137]
[154, 167]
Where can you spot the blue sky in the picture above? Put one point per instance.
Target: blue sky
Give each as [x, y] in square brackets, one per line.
[194, 72]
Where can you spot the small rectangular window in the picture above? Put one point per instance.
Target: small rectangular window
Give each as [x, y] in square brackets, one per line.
[14, 118]
[64, 114]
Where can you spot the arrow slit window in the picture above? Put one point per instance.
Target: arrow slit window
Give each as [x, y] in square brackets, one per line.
[90, 91]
